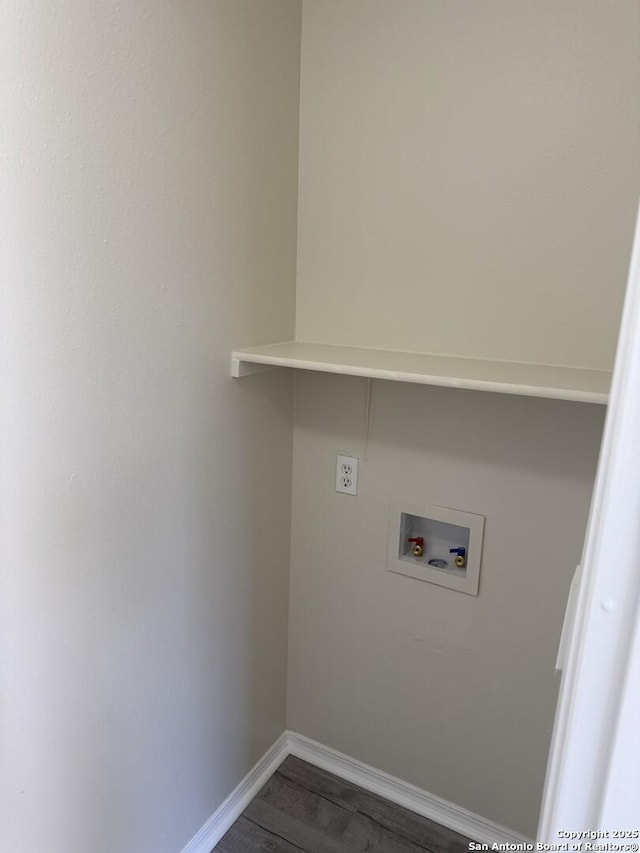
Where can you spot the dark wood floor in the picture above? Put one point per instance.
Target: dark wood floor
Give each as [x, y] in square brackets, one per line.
[302, 808]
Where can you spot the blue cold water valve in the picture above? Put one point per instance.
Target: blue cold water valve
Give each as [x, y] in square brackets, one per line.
[461, 556]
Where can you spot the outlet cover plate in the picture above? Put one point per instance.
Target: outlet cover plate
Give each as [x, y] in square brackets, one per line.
[347, 475]
[442, 528]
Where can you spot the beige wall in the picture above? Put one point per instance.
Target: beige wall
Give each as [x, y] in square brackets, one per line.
[452, 693]
[468, 175]
[468, 181]
[150, 172]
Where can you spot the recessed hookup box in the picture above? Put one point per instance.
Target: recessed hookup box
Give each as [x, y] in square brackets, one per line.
[436, 544]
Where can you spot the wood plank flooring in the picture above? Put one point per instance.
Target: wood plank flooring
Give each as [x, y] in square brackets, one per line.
[303, 808]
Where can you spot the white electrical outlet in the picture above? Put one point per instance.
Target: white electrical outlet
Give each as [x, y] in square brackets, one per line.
[347, 475]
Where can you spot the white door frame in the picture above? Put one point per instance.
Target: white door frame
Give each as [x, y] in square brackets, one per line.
[593, 774]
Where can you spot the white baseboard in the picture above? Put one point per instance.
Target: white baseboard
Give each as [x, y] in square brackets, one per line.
[227, 813]
[416, 800]
[393, 789]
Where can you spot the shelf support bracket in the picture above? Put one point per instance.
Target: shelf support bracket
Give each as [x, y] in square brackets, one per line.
[241, 368]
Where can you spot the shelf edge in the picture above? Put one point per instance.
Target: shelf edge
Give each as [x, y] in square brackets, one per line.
[264, 362]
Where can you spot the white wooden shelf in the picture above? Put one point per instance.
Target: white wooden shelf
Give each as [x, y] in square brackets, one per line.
[503, 377]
